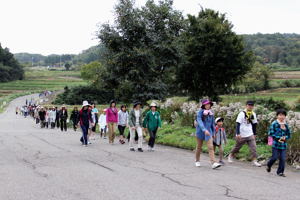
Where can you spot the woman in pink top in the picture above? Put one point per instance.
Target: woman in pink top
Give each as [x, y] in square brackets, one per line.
[112, 120]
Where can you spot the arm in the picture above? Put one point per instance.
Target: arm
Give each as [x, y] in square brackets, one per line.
[213, 127]
[254, 128]
[238, 128]
[200, 122]
[146, 120]
[159, 121]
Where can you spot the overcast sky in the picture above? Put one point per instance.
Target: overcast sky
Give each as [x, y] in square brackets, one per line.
[69, 26]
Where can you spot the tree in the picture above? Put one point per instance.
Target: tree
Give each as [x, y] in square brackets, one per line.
[141, 49]
[214, 56]
[94, 72]
[67, 66]
[10, 69]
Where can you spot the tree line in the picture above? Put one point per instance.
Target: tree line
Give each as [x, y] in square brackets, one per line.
[10, 69]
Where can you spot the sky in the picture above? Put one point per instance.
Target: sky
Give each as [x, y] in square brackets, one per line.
[69, 26]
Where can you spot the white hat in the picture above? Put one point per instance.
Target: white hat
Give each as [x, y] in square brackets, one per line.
[85, 103]
[219, 119]
[153, 104]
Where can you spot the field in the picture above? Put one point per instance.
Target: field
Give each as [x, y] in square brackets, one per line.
[38, 80]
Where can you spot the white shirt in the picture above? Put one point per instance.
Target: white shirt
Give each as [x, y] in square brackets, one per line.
[245, 128]
[102, 121]
[137, 117]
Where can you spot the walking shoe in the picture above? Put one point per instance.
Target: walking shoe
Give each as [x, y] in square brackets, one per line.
[268, 169]
[222, 162]
[216, 165]
[132, 149]
[281, 174]
[140, 150]
[197, 164]
[230, 158]
[256, 164]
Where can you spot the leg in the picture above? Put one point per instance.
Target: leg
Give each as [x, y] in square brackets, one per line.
[65, 125]
[140, 135]
[239, 144]
[252, 145]
[221, 152]
[282, 158]
[131, 139]
[113, 131]
[198, 149]
[61, 125]
[110, 132]
[273, 158]
[211, 152]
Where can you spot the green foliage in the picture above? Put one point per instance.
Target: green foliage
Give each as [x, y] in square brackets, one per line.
[272, 104]
[76, 95]
[141, 49]
[10, 69]
[277, 50]
[215, 57]
[293, 153]
[94, 72]
[67, 66]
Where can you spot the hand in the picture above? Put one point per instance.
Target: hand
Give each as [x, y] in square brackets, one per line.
[93, 124]
[254, 137]
[133, 128]
[238, 137]
[206, 133]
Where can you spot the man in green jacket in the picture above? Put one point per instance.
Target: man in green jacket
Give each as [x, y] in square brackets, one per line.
[152, 122]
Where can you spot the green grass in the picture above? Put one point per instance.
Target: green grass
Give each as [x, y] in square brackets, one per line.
[38, 80]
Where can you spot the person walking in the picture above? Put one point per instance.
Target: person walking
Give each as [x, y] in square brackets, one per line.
[112, 120]
[57, 117]
[102, 124]
[152, 123]
[74, 118]
[84, 121]
[205, 131]
[280, 133]
[220, 138]
[122, 122]
[95, 119]
[63, 116]
[52, 117]
[246, 124]
[42, 117]
[135, 123]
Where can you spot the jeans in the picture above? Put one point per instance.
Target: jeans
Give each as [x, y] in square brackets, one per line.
[152, 137]
[84, 138]
[63, 124]
[278, 154]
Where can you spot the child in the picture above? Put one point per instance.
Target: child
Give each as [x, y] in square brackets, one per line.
[220, 138]
[205, 131]
[102, 124]
[280, 132]
[122, 122]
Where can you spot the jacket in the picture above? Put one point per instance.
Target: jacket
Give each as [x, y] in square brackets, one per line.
[112, 115]
[152, 121]
[132, 118]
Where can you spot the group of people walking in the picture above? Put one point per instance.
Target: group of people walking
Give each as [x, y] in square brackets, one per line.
[208, 129]
[213, 133]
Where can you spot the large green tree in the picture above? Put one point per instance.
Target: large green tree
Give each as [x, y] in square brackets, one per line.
[10, 69]
[214, 56]
[142, 50]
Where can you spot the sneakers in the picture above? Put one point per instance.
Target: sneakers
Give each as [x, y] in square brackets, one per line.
[216, 165]
[230, 158]
[222, 162]
[256, 164]
[140, 150]
[132, 149]
[197, 164]
[281, 174]
[268, 169]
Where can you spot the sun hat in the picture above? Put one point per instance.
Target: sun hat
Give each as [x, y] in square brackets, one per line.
[219, 119]
[205, 102]
[85, 103]
[153, 104]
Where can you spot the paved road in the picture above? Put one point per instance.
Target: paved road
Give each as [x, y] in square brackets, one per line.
[40, 164]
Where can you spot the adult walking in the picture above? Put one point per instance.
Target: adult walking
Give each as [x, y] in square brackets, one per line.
[57, 117]
[52, 117]
[74, 117]
[122, 123]
[95, 119]
[135, 123]
[205, 130]
[246, 124]
[84, 121]
[42, 117]
[63, 116]
[152, 123]
[112, 120]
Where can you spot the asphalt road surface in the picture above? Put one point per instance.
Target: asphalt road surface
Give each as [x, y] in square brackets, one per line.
[44, 164]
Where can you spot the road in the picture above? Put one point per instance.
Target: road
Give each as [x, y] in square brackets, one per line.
[44, 164]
